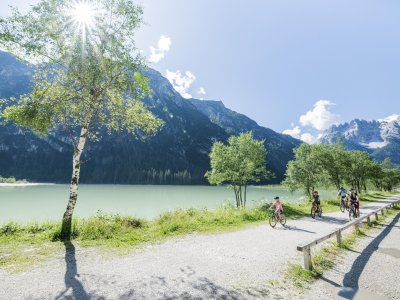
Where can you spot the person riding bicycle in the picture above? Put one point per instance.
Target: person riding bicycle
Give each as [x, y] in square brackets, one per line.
[355, 201]
[342, 193]
[315, 200]
[278, 207]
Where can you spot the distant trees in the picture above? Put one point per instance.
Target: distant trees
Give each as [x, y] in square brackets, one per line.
[387, 176]
[322, 165]
[238, 164]
[359, 170]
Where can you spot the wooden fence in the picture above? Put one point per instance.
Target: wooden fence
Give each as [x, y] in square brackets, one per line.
[306, 248]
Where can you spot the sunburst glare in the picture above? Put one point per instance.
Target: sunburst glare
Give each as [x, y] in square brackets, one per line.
[83, 15]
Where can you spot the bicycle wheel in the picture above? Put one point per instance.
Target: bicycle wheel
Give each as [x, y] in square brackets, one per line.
[283, 220]
[313, 212]
[320, 212]
[351, 213]
[272, 221]
[342, 207]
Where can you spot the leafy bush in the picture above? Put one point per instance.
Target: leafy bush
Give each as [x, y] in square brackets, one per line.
[9, 228]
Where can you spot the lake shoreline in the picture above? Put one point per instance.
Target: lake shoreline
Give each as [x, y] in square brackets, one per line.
[22, 184]
[119, 233]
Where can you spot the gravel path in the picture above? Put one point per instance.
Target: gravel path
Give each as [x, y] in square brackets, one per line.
[368, 271]
[233, 265]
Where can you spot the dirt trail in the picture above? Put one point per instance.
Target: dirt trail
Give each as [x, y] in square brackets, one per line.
[233, 265]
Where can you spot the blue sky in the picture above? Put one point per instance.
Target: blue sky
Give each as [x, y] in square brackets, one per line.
[298, 65]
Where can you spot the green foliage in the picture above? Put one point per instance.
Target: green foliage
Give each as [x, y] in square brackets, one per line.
[323, 165]
[239, 163]
[306, 171]
[11, 180]
[334, 160]
[387, 176]
[360, 168]
[77, 81]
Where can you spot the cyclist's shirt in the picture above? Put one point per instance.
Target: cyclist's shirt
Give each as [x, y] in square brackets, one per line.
[316, 199]
[342, 193]
[278, 206]
[353, 199]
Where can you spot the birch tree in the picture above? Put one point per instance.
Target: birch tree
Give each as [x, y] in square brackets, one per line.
[87, 74]
[305, 171]
[239, 163]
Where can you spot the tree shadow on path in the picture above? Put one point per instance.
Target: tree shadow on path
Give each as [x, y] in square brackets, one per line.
[351, 279]
[294, 228]
[71, 274]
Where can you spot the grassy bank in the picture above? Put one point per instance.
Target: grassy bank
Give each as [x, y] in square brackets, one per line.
[11, 180]
[23, 244]
[327, 257]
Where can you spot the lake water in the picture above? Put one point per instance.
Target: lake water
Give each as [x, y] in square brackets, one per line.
[48, 202]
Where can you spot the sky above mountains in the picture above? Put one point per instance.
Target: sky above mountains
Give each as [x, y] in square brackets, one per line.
[293, 66]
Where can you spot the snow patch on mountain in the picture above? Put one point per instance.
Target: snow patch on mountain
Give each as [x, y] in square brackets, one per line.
[381, 138]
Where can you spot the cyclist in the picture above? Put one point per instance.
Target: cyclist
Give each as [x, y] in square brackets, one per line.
[315, 200]
[355, 201]
[342, 193]
[278, 207]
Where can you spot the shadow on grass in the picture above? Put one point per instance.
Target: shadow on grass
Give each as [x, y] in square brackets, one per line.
[351, 279]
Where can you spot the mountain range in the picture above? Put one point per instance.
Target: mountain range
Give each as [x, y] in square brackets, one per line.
[380, 138]
[178, 154]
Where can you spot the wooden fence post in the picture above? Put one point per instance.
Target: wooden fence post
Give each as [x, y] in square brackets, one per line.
[339, 237]
[382, 211]
[369, 221]
[307, 258]
[376, 216]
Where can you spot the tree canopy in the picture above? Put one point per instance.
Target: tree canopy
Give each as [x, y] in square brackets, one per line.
[324, 165]
[239, 163]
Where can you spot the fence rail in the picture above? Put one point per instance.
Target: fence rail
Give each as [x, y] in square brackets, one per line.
[306, 248]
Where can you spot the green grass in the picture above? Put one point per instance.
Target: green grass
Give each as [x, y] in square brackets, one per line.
[326, 258]
[21, 245]
[12, 180]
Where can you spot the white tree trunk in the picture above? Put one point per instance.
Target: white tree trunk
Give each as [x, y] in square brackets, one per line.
[66, 229]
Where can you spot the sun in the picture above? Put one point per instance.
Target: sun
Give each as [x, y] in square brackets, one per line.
[83, 15]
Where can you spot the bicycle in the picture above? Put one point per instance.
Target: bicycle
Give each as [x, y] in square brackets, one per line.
[343, 204]
[353, 211]
[273, 219]
[316, 210]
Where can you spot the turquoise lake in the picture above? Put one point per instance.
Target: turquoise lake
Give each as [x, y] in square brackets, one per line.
[48, 202]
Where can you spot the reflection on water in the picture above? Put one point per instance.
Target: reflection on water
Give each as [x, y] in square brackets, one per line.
[35, 203]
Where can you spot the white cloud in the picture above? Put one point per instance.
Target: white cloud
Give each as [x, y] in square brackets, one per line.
[305, 137]
[163, 46]
[320, 117]
[294, 132]
[308, 138]
[181, 82]
[201, 91]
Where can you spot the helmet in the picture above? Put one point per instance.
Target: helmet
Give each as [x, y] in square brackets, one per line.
[276, 198]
